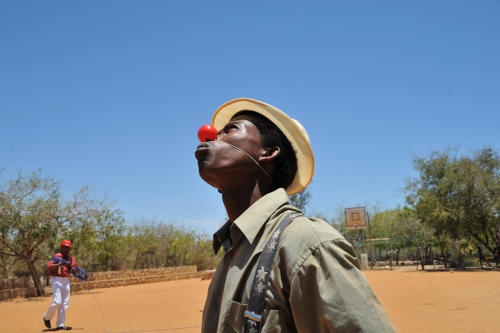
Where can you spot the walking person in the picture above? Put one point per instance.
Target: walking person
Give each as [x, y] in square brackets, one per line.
[60, 272]
[281, 271]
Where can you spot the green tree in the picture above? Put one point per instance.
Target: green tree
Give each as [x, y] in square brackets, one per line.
[459, 196]
[417, 235]
[157, 244]
[31, 212]
[147, 238]
[202, 254]
[302, 199]
[34, 215]
[382, 225]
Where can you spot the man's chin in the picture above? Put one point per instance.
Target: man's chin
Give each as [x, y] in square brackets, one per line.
[207, 177]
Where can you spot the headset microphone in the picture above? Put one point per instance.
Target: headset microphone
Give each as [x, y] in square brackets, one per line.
[253, 160]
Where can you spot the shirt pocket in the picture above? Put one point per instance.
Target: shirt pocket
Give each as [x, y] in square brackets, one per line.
[234, 318]
[273, 322]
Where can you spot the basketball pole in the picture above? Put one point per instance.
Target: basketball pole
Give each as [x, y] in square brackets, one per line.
[369, 237]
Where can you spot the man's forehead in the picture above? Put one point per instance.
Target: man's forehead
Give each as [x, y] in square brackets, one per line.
[247, 120]
[244, 117]
[241, 117]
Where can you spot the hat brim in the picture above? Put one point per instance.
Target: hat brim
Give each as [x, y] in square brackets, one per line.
[291, 128]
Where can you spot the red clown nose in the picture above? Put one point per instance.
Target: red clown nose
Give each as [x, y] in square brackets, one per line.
[207, 133]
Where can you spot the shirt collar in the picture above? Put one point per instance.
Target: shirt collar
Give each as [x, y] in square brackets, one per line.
[222, 237]
[252, 219]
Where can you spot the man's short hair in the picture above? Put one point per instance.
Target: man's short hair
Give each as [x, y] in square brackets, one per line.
[271, 136]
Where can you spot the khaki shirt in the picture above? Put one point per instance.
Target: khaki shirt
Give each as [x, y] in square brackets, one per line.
[315, 284]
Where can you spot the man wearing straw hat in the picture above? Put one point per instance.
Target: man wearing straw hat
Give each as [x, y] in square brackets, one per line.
[281, 271]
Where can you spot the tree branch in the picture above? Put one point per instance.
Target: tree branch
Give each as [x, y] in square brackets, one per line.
[12, 254]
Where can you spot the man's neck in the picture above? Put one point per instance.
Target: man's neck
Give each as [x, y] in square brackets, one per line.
[238, 200]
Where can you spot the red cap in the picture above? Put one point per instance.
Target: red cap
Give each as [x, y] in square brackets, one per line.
[66, 243]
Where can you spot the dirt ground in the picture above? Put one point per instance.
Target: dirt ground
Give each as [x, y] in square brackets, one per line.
[417, 302]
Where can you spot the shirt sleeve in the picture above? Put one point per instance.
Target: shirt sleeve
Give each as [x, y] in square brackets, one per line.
[329, 293]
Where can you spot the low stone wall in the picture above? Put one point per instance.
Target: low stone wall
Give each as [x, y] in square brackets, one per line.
[78, 286]
[17, 292]
[23, 287]
[23, 282]
[133, 273]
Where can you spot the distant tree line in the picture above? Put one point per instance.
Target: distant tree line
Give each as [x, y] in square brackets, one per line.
[452, 211]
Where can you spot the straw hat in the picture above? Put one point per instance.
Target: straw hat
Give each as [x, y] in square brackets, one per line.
[291, 128]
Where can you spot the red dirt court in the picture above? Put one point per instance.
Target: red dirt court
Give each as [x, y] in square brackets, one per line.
[417, 302]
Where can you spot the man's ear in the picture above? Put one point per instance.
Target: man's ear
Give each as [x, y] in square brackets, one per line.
[269, 154]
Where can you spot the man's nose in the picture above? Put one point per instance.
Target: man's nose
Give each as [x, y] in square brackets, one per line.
[207, 133]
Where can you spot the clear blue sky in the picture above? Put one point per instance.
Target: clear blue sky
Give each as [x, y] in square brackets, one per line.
[111, 93]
